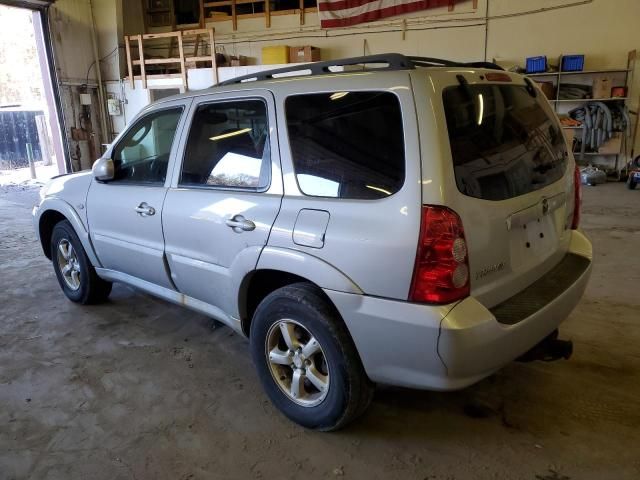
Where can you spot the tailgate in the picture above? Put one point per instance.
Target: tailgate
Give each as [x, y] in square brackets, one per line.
[513, 182]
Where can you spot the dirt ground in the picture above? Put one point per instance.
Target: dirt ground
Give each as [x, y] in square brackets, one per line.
[140, 389]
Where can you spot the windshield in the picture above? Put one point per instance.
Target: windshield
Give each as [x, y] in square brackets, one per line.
[503, 143]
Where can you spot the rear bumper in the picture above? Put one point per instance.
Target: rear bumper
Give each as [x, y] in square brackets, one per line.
[452, 346]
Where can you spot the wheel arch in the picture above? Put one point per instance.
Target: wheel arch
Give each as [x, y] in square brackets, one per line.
[55, 211]
[48, 220]
[278, 267]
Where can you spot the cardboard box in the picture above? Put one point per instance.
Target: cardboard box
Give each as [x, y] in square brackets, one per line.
[239, 61]
[548, 89]
[613, 145]
[275, 55]
[602, 86]
[569, 135]
[304, 54]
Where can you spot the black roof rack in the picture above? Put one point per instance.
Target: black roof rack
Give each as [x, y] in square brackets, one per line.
[390, 61]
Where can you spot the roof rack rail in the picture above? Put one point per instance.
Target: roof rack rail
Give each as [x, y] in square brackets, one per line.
[392, 61]
[438, 62]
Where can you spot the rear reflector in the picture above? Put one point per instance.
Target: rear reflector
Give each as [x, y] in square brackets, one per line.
[441, 272]
[577, 200]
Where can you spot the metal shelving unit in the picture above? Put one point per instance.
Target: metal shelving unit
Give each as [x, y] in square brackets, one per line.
[563, 105]
[581, 72]
[578, 100]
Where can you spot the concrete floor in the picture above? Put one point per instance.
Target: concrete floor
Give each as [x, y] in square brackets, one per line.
[138, 388]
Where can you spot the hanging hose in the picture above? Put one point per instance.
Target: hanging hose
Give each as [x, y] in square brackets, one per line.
[599, 122]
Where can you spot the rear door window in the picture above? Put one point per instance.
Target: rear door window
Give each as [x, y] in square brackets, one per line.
[503, 143]
[347, 144]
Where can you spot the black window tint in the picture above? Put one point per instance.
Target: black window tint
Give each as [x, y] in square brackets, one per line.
[142, 156]
[347, 144]
[503, 143]
[228, 146]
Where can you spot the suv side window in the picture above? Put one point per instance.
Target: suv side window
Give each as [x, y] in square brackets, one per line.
[347, 144]
[142, 156]
[228, 146]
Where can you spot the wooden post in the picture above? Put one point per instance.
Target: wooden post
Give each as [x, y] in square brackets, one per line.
[196, 47]
[451, 5]
[203, 21]
[234, 16]
[267, 13]
[143, 71]
[44, 140]
[214, 64]
[171, 42]
[183, 68]
[127, 45]
[301, 12]
[475, 4]
[145, 15]
[32, 166]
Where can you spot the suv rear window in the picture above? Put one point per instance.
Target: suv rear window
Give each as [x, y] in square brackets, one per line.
[503, 142]
[347, 144]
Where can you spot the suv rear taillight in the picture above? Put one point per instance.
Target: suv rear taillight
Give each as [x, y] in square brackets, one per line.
[441, 272]
[577, 199]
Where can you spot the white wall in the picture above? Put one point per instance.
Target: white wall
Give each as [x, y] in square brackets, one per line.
[71, 31]
[109, 30]
[605, 30]
[72, 40]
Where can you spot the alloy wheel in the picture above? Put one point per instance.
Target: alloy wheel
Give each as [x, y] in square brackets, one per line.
[297, 363]
[69, 264]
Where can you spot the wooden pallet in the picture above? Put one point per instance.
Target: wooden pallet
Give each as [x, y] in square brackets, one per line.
[200, 36]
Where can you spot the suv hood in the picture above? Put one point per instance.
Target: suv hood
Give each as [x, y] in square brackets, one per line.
[67, 186]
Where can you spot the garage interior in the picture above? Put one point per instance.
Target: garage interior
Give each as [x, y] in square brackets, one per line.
[140, 388]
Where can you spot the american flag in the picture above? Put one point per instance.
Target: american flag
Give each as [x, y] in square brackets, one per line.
[344, 13]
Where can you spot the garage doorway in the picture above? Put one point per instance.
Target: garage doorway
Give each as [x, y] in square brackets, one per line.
[32, 149]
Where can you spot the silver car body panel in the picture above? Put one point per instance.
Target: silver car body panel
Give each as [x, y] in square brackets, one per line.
[207, 258]
[124, 240]
[194, 259]
[67, 195]
[447, 347]
[306, 265]
[377, 259]
[171, 296]
[499, 260]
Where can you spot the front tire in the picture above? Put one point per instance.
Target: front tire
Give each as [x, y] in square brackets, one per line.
[306, 360]
[76, 276]
[631, 182]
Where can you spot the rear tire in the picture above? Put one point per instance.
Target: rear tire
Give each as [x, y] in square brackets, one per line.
[324, 390]
[76, 276]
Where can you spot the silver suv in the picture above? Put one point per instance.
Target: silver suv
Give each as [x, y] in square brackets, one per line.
[389, 219]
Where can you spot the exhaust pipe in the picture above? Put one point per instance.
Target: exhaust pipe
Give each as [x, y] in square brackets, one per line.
[549, 349]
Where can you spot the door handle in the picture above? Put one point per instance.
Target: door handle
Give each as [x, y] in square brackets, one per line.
[240, 224]
[144, 210]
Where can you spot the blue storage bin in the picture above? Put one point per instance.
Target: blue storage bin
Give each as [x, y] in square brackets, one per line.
[536, 64]
[573, 63]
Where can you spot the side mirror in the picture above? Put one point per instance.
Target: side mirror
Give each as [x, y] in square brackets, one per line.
[103, 169]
